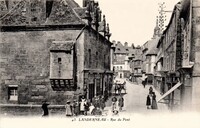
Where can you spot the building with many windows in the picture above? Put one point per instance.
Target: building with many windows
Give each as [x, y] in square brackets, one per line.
[121, 63]
[178, 58]
[136, 65]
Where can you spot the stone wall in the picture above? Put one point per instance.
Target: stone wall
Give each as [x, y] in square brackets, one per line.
[100, 51]
[25, 61]
[195, 55]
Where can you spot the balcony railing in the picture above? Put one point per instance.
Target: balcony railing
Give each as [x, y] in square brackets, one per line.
[63, 84]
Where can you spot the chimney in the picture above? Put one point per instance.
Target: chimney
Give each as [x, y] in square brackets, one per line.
[114, 42]
[88, 14]
[85, 3]
[126, 44]
[104, 25]
[100, 12]
[118, 42]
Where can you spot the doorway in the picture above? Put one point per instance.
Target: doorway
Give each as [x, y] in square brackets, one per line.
[91, 91]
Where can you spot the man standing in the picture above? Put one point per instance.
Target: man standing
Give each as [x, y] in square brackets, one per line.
[45, 108]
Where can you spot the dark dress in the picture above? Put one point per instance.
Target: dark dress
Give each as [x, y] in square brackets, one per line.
[121, 102]
[102, 103]
[45, 109]
[154, 103]
[76, 108]
[148, 102]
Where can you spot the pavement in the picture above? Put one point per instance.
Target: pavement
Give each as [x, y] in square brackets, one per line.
[135, 101]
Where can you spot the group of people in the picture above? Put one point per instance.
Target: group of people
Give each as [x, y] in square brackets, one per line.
[151, 102]
[117, 104]
[82, 107]
[119, 87]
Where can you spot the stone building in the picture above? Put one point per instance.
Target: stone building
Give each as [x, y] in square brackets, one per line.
[167, 57]
[136, 67]
[180, 48]
[149, 53]
[121, 63]
[53, 50]
[151, 61]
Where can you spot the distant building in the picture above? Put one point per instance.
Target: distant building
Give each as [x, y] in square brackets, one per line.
[151, 61]
[121, 62]
[137, 65]
[53, 50]
[149, 53]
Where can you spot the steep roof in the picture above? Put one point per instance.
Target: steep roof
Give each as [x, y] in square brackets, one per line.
[152, 46]
[81, 11]
[120, 48]
[25, 12]
[62, 14]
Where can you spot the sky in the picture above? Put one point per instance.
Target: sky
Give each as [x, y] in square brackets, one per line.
[133, 21]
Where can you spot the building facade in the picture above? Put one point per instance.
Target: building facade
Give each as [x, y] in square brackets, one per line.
[149, 53]
[178, 57]
[167, 59]
[136, 65]
[53, 50]
[121, 62]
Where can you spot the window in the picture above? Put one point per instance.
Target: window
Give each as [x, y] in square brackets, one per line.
[121, 67]
[12, 92]
[104, 60]
[97, 59]
[34, 19]
[59, 60]
[113, 68]
[59, 66]
[89, 52]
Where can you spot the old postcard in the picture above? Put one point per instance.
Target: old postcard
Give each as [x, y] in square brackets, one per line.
[94, 63]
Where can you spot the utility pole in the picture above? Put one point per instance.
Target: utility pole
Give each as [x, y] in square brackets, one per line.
[162, 16]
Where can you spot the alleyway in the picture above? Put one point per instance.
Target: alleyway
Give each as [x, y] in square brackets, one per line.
[135, 101]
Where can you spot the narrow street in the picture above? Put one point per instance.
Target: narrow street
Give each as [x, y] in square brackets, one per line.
[135, 101]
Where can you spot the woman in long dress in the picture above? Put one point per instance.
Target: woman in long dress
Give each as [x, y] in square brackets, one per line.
[121, 103]
[68, 109]
[77, 108]
[148, 102]
[154, 102]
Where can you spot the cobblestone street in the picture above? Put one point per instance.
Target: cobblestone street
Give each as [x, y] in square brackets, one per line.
[135, 101]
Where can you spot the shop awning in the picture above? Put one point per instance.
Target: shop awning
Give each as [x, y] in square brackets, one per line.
[170, 91]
